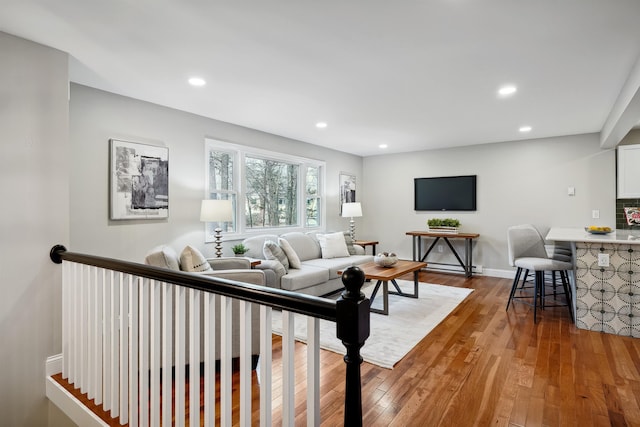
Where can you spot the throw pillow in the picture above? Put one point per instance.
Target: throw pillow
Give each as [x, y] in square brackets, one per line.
[349, 241]
[294, 259]
[192, 260]
[333, 245]
[163, 256]
[271, 250]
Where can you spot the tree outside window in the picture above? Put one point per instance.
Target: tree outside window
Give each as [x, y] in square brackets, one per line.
[268, 190]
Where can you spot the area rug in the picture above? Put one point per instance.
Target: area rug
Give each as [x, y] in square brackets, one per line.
[392, 336]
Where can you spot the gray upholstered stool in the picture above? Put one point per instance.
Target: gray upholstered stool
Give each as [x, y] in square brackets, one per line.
[527, 253]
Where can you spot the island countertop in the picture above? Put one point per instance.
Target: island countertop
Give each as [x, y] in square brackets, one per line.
[578, 234]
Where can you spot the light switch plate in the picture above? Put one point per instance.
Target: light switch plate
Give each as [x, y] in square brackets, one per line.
[571, 191]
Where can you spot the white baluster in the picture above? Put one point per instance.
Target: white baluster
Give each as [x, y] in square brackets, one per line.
[107, 340]
[226, 327]
[264, 377]
[167, 349]
[180, 355]
[97, 337]
[143, 374]
[124, 349]
[288, 369]
[136, 334]
[115, 344]
[210, 360]
[155, 324]
[194, 357]
[313, 371]
[245, 364]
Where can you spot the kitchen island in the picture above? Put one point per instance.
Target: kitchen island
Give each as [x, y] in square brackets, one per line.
[606, 281]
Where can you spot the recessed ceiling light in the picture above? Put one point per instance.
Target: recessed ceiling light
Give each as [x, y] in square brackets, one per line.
[507, 90]
[525, 129]
[197, 81]
[383, 146]
[321, 125]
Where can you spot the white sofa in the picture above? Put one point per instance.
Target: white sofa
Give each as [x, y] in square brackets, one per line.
[316, 275]
[238, 269]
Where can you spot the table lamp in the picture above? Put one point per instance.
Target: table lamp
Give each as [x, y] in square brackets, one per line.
[214, 210]
[351, 210]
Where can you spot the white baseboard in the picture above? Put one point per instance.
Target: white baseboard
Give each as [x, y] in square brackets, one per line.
[477, 271]
[53, 365]
[68, 404]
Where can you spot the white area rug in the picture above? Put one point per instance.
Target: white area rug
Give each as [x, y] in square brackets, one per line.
[392, 336]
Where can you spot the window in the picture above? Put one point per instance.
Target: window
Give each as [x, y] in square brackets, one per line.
[268, 190]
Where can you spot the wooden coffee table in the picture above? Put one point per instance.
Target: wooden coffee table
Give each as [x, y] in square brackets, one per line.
[384, 275]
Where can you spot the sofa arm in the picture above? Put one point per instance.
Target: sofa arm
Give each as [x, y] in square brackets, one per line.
[255, 277]
[229, 263]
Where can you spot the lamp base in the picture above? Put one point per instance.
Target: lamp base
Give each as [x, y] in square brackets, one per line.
[352, 229]
[218, 237]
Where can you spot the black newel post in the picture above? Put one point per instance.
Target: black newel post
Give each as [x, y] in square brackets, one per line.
[353, 330]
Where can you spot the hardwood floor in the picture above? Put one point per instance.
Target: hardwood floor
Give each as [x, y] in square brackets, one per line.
[483, 366]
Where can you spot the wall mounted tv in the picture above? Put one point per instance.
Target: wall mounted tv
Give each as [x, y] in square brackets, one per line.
[445, 193]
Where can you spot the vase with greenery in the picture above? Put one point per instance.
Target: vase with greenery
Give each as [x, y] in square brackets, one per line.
[239, 249]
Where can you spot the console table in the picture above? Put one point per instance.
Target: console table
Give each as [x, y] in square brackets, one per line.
[467, 264]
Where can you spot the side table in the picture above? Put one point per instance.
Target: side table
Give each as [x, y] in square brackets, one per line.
[365, 243]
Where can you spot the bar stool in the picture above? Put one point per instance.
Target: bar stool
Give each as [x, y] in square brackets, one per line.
[527, 252]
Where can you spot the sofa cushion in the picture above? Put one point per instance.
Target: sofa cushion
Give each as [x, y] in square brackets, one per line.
[334, 265]
[192, 260]
[305, 277]
[255, 245]
[333, 245]
[304, 245]
[163, 256]
[271, 250]
[294, 260]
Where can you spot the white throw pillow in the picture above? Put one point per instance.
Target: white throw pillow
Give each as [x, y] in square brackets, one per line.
[333, 245]
[192, 260]
[271, 250]
[294, 259]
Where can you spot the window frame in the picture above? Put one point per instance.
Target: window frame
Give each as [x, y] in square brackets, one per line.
[239, 153]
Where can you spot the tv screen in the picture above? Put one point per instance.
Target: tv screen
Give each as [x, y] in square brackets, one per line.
[446, 193]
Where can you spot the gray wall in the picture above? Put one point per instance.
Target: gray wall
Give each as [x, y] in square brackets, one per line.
[97, 116]
[35, 215]
[518, 182]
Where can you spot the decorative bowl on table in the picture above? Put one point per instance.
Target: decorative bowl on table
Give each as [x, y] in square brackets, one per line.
[594, 229]
[385, 259]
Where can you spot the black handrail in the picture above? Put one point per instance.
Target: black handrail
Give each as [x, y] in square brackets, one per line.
[278, 298]
[350, 311]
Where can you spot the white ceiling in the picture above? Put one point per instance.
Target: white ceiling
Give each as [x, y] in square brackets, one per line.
[414, 75]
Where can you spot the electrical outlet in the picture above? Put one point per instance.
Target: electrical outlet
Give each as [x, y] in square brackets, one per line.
[595, 214]
[603, 260]
[440, 248]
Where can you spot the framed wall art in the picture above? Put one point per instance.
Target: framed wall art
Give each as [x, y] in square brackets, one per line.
[139, 181]
[347, 190]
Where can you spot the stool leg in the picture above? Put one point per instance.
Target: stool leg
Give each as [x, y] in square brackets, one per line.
[514, 286]
[538, 283]
[567, 294]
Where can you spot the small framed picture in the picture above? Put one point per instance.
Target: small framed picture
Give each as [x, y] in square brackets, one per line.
[347, 189]
[139, 181]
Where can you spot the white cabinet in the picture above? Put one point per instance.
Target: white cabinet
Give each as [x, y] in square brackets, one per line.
[629, 171]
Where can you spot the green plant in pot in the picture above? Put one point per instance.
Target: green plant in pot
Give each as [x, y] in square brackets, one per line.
[446, 222]
[239, 249]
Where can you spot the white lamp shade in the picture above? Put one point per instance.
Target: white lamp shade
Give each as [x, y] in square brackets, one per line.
[351, 209]
[216, 211]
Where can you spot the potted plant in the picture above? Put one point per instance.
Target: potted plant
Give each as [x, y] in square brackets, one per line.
[239, 249]
[443, 225]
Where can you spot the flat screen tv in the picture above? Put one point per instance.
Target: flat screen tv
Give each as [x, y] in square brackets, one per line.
[445, 193]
